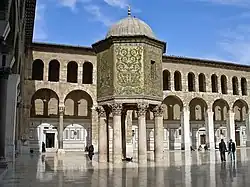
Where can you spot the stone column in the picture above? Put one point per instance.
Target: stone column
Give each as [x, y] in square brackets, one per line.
[94, 129]
[230, 126]
[117, 133]
[60, 130]
[124, 129]
[103, 156]
[142, 134]
[11, 116]
[210, 128]
[158, 133]
[185, 126]
[129, 135]
[3, 98]
[248, 129]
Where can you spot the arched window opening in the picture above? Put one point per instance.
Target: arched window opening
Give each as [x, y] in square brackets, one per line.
[177, 81]
[176, 112]
[202, 83]
[223, 84]
[54, 69]
[72, 70]
[214, 81]
[87, 73]
[235, 86]
[166, 80]
[191, 82]
[243, 86]
[37, 70]
[198, 112]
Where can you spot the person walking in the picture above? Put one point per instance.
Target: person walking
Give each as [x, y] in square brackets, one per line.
[222, 149]
[91, 152]
[231, 149]
[43, 147]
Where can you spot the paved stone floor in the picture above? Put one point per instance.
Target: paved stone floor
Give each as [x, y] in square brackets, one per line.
[196, 169]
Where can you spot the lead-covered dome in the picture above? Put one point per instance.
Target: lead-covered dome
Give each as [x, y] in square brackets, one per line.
[130, 26]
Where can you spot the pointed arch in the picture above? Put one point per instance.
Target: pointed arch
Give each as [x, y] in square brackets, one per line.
[191, 82]
[202, 82]
[44, 103]
[87, 73]
[174, 107]
[240, 108]
[78, 103]
[54, 69]
[166, 80]
[198, 107]
[243, 83]
[220, 109]
[37, 69]
[235, 85]
[72, 71]
[223, 84]
[177, 81]
[214, 82]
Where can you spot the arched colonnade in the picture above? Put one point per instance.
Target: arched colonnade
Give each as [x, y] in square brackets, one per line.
[198, 122]
[61, 122]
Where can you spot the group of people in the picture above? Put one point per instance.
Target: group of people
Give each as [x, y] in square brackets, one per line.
[223, 149]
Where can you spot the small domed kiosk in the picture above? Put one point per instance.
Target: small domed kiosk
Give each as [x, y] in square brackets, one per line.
[129, 71]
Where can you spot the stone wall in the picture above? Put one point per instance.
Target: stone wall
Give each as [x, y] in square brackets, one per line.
[63, 88]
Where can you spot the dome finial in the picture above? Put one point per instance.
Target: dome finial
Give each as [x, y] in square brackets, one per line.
[129, 10]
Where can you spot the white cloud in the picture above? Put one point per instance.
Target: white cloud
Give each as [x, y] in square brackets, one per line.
[72, 4]
[40, 24]
[123, 4]
[245, 3]
[236, 43]
[117, 3]
[98, 15]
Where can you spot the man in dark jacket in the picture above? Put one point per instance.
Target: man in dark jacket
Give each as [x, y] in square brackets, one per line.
[223, 149]
[91, 152]
[231, 149]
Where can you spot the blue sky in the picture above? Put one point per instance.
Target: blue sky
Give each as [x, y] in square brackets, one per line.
[210, 29]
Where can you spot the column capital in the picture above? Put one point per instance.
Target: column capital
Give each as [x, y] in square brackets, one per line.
[231, 113]
[116, 109]
[142, 108]
[158, 111]
[61, 109]
[209, 111]
[185, 108]
[101, 111]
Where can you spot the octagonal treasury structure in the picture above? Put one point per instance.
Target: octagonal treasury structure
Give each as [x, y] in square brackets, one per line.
[128, 62]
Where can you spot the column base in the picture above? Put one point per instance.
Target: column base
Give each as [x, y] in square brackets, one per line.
[60, 151]
[103, 158]
[142, 159]
[3, 163]
[185, 146]
[117, 159]
[248, 143]
[211, 146]
[158, 158]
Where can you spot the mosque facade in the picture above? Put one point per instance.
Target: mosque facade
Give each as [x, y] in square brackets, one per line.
[202, 101]
[125, 96]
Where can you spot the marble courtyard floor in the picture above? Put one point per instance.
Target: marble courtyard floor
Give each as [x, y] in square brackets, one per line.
[179, 168]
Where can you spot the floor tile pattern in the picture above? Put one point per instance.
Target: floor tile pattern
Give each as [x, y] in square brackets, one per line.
[179, 169]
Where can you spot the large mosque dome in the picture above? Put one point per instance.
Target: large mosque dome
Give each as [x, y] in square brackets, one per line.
[130, 26]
